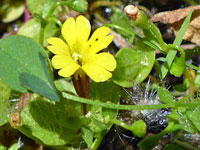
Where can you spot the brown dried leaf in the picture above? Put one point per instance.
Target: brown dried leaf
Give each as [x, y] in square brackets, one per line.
[175, 19]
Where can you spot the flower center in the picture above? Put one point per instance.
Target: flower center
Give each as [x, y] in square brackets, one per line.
[77, 58]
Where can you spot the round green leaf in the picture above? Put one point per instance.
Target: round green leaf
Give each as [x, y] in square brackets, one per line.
[147, 59]
[139, 128]
[31, 29]
[128, 64]
[35, 6]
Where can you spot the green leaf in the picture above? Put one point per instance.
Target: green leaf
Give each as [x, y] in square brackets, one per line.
[194, 117]
[48, 4]
[13, 11]
[120, 19]
[35, 6]
[65, 86]
[182, 30]
[147, 59]
[32, 29]
[178, 66]
[78, 5]
[164, 95]
[151, 141]
[172, 53]
[128, 64]
[139, 128]
[52, 123]
[4, 96]
[87, 136]
[24, 66]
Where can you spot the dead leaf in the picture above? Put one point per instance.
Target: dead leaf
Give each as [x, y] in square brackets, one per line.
[175, 19]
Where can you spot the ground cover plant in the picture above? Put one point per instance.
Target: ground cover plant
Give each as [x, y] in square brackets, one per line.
[77, 74]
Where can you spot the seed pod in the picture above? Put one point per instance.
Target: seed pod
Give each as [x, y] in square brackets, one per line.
[138, 17]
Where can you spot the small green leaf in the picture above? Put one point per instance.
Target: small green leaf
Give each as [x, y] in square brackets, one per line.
[35, 6]
[13, 12]
[164, 95]
[31, 29]
[87, 136]
[24, 65]
[178, 66]
[48, 4]
[128, 64]
[194, 117]
[151, 141]
[78, 5]
[139, 128]
[63, 85]
[4, 96]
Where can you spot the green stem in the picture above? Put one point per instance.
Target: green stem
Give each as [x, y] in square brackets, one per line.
[41, 38]
[122, 124]
[152, 45]
[128, 107]
[55, 20]
[192, 66]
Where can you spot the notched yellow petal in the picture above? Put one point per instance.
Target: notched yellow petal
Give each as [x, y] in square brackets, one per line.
[58, 50]
[99, 44]
[58, 46]
[98, 33]
[83, 28]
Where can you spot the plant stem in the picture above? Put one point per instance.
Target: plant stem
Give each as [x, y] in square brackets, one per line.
[128, 107]
[81, 85]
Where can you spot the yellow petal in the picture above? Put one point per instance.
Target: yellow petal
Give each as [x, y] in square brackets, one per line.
[66, 64]
[83, 30]
[105, 60]
[99, 44]
[67, 71]
[96, 73]
[69, 32]
[58, 46]
[100, 32]
[98, 67]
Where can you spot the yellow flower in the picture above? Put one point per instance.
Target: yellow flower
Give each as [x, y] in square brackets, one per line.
[78, 54]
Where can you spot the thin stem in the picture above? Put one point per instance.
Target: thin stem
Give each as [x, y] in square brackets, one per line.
[122, 124]
[128, 107]
[41, 38]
